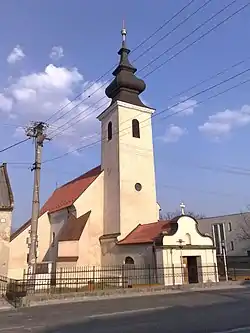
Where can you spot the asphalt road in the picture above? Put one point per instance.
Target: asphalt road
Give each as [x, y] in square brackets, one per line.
[194, 312]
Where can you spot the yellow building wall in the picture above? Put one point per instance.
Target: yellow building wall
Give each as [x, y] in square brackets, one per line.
[126, 161]
[5, 229]
[68, 249]
[89, 244]
[19, 248]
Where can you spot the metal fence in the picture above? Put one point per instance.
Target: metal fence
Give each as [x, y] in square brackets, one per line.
[238, 267]
[80, 279]
[3, 285]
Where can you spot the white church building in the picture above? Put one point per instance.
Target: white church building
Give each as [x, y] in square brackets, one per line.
[110, 215]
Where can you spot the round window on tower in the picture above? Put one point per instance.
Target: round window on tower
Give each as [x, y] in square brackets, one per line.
[138, 187]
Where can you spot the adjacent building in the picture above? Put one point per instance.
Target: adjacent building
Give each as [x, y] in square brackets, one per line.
[232, 230]
[6, 208]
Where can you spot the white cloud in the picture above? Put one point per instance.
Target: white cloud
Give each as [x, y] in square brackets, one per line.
[5, 103]
[19, 132]
[56, 53]
[173, 133]
[222, 123]
[39, 95]
[15, 55]
[186, 107]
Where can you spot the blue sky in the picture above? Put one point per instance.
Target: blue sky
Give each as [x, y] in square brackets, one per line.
[196, 152]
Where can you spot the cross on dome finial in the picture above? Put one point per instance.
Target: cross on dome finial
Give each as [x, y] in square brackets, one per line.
[125, 87]
[182, 206]
[123, 32]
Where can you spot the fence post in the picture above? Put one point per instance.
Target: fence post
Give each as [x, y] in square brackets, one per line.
[215, 273]
[173, 279]
[93, 277]
[123, 277]
[149, 275]
[60, 279]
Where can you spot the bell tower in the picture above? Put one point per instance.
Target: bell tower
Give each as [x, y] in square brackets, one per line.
[127, 152]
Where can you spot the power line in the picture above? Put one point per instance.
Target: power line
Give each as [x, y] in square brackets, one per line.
[14, 145]
[174, 29]
[163, 37]
[167, 109]
[210, 78]
[201, 37]
[108, 72]
[170, 98]
[175, 55]
[190, 34]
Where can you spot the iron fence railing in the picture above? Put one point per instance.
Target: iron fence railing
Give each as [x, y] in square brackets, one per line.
[116, 277]
[3, 285]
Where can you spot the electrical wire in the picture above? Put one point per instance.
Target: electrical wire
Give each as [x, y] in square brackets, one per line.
[14, 145]
[199, 38]
[167, 109]
[104, 84]
[174, 56]
[174, 96]
[133, 50]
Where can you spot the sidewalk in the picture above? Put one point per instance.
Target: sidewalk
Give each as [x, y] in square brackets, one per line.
[4, 305]
[46, 299]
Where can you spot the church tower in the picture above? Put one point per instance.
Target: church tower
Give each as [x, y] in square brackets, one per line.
[127, 152]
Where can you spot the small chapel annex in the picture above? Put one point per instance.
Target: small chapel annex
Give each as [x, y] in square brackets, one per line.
[110, 214]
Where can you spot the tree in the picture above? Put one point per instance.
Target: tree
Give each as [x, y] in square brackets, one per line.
[244, 225]
[171, 215]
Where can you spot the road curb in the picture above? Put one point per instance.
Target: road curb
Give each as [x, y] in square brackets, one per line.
[34, 300]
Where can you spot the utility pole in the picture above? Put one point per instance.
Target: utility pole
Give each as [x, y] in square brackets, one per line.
[36, 131]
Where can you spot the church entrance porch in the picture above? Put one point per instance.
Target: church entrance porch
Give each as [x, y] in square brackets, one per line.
[190, 269]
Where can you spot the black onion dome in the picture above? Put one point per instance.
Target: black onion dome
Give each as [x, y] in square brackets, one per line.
[125, 87]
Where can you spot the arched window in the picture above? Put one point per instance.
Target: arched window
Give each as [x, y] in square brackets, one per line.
[109, 131]
[136, 128]
[129, 261]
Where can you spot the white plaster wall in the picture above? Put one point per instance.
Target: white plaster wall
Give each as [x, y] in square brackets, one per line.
[207, 267]
[187, 225]
[68, 249]
[5, 229]
[115, 254]
[89, 244]
[19, 248]
[126, 161]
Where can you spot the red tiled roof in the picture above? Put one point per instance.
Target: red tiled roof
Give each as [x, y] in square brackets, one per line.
[65, 195]
[147, 233]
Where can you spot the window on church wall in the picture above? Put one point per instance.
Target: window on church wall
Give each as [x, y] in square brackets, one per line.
[135, 128]
[109, 131]
[129, 261]
[53, 239]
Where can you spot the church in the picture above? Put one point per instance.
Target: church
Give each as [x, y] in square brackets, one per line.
[110, 215]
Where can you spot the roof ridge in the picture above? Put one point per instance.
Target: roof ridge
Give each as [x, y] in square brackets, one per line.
[81, 176]
[53, 203]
